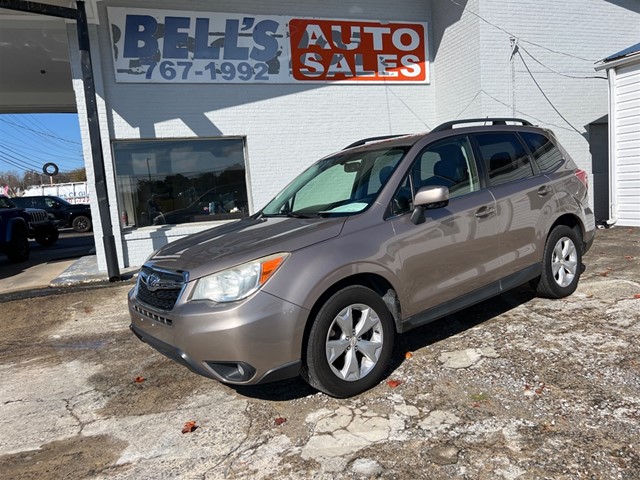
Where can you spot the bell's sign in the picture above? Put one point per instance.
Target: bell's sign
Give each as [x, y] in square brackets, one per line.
[164, 46]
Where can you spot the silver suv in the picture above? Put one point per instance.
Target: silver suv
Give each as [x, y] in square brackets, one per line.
[369, 242]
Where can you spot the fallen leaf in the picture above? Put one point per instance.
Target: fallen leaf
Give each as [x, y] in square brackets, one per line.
[139, 379]
[637, 295]
[408, 355]
[394, 383]
[189, 427]
[280, 420]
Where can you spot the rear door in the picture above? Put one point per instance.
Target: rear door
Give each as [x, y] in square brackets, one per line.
[455, 250]
[523, 199]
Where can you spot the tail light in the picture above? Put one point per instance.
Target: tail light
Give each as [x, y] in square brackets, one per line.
[582, 176]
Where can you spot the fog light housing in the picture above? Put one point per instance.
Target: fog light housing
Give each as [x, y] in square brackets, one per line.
[233, 371]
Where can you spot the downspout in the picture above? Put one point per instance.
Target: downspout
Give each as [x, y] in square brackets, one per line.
[613, 161]
[97, 156]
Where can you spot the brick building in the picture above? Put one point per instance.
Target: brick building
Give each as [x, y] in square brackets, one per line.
[208, 108]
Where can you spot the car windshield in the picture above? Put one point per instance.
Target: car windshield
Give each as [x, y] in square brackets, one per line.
[343, 184]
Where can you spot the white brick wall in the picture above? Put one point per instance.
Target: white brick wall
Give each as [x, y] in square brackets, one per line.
[590, 29]
[289, 126]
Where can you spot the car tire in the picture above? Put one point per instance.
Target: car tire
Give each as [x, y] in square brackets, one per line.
[81, 224]
[350, 343]
[47, 237]
[561, 265]
[18, 249]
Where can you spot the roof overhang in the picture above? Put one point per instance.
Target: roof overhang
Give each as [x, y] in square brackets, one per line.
[624, 57]
[34, 53]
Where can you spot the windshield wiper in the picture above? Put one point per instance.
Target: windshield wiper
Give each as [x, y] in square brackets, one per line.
[299, 215]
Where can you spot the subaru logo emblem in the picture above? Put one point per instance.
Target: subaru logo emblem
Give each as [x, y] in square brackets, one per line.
[153, 282]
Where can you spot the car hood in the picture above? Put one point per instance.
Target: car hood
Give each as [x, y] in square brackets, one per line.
[78, 207]
[231, 244]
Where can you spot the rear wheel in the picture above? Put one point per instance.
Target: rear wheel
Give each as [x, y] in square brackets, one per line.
[81, 224]
[18, 249]
[350, 343]
[562, 264]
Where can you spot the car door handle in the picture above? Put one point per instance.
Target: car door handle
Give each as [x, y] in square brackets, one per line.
[544, 190]
[485, 211]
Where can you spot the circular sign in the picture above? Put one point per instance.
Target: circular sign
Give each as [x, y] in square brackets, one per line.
[50, 169]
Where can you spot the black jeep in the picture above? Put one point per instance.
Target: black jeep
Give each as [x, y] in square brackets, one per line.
[17, 225]
[65, 214]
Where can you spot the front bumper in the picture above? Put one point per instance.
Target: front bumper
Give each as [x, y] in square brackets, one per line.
[253, 341]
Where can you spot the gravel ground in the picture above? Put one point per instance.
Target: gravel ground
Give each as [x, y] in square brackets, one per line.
[515, 388]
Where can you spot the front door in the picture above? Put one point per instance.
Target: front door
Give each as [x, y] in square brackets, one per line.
[455, 251]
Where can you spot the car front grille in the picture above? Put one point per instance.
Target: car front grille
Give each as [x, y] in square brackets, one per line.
[159, 288]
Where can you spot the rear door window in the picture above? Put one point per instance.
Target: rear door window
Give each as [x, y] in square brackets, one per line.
[504, 157]
[546, 155]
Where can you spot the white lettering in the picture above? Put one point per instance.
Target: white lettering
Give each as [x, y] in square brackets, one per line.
[377, 33]
[386, 64]
[342, 66]
[413, 66]
[314, 36]
[313, 66]
[338, 41]
[414, 39]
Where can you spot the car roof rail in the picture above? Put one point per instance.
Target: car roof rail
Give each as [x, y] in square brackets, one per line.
[494, 121]
[372, 139]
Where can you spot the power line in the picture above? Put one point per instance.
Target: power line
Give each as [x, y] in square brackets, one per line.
[545, 95]
[39, 133]
[540, 121]
[560, 73]
[464, 8]
[4, 149]
[21, 161]
[469, 104]
[26, 137]
[19, 150]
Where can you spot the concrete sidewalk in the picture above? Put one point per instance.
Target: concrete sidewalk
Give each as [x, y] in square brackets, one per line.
[85, 270]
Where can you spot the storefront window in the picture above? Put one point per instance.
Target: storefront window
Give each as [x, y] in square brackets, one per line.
[180, 181]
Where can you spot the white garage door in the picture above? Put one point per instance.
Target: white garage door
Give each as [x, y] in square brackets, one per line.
[627, 145]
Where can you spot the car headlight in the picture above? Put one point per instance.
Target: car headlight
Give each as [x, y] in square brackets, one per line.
[238, 282]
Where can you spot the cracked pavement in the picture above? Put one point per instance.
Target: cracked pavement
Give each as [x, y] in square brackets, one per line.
[515, 388]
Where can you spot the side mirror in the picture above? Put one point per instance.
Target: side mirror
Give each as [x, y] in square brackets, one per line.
[428, 198]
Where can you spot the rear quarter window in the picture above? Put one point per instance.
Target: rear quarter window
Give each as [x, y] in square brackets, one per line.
[546, 155]
[504, 157]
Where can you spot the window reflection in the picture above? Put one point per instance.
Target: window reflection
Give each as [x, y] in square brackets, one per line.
[180, 181]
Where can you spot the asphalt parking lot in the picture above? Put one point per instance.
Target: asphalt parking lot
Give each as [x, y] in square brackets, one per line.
[514, 388]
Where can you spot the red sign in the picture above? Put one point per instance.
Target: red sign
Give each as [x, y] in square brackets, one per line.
[337, 50]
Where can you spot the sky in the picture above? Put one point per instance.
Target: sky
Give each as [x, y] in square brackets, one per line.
[28, 141]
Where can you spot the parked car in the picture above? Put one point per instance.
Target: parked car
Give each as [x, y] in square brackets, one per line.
[77, 216]
[17, 225]
[369, 242]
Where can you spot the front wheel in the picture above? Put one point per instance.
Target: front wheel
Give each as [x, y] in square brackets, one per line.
[47, 237]
[18, 248]
[562, 264]
[350, 343]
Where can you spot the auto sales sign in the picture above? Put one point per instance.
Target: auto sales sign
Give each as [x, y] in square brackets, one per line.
[164, 46]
